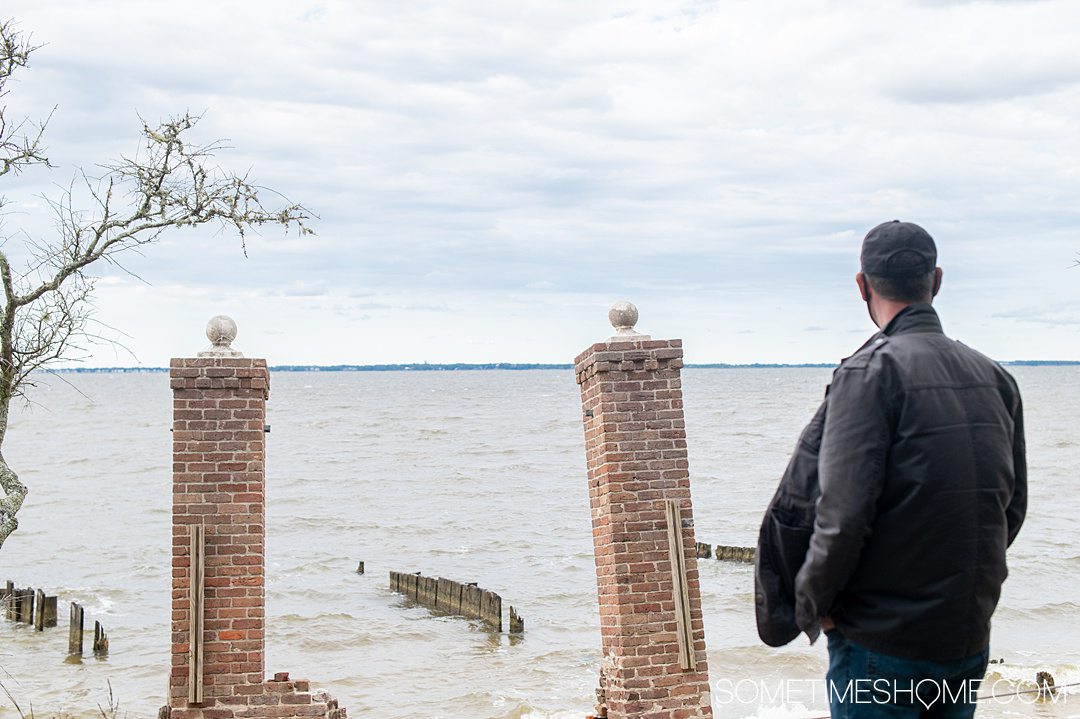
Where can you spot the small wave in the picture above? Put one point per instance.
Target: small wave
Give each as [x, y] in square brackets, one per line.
[450, 550]
[1043, 611]
[523, 711]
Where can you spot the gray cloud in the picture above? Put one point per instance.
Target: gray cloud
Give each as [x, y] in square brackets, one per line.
[1059, 315]
[537, 160]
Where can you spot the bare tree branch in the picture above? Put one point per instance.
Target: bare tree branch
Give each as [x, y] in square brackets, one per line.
[20, 142]
[46, 307]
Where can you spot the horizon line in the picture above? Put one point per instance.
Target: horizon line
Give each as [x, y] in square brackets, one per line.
[514, 366]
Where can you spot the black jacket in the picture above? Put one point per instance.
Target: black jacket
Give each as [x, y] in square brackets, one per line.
[923, 485]
[785, 537]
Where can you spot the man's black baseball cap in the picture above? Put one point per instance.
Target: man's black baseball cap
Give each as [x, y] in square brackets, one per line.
[898, 249]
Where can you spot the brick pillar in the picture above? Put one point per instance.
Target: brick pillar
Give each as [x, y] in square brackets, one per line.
[219, 414]
[635, 444]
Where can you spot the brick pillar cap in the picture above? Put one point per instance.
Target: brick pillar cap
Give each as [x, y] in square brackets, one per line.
[623, 316]
[221, 331]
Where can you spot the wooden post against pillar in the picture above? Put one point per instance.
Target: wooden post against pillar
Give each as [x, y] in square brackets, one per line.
[196, 613]
[679, 590]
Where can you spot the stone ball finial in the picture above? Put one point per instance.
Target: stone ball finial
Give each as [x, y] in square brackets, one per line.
[623, 316]
[221, 331]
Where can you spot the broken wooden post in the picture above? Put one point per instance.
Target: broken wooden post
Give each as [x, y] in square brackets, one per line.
[75, 631]
[517, 622]
[360, 568]
[101, 641]
[636, 457]
[704, 550]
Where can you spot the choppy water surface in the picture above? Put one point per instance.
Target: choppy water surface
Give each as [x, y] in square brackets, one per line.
[478, 476]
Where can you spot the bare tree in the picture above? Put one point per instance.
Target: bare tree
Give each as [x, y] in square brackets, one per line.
[45, 311]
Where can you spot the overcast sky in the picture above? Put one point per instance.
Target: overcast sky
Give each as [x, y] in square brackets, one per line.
[490, 177]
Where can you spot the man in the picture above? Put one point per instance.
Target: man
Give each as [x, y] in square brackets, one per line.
[923, 485]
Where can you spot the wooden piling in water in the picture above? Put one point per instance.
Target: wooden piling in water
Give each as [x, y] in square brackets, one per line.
[75, 630]
[49, 612]
[24, 606]
[517, 622]
[735, 554]
[470, 601]
[5, 597]
[491, 609]
[704, 550]
[39, 610]
[101, 641]
[455, 598]
[442, 600]
[9, 602]
[446, 595]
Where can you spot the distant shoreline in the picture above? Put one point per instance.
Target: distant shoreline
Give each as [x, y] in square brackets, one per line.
[510, 366]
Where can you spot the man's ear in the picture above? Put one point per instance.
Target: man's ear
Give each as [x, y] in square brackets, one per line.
[861, 281]
[937, 281]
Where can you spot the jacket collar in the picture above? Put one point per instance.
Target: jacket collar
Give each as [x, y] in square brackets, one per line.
[917, 318]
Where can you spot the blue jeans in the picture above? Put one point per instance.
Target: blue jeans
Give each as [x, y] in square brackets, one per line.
[864, 683]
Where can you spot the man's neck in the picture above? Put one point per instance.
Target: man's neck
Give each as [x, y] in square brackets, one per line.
[886, 310]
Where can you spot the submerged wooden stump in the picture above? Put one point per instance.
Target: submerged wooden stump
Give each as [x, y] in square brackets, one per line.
[101, 641]
[735, 554]
[517, 623]
[1047, 685]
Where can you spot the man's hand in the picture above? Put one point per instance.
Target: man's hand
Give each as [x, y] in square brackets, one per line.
[827, 623]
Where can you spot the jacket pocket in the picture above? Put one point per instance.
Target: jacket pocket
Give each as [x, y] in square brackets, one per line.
[788, 543]
[782, 548]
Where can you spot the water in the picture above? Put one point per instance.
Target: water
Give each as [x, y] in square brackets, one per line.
[477, 476]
